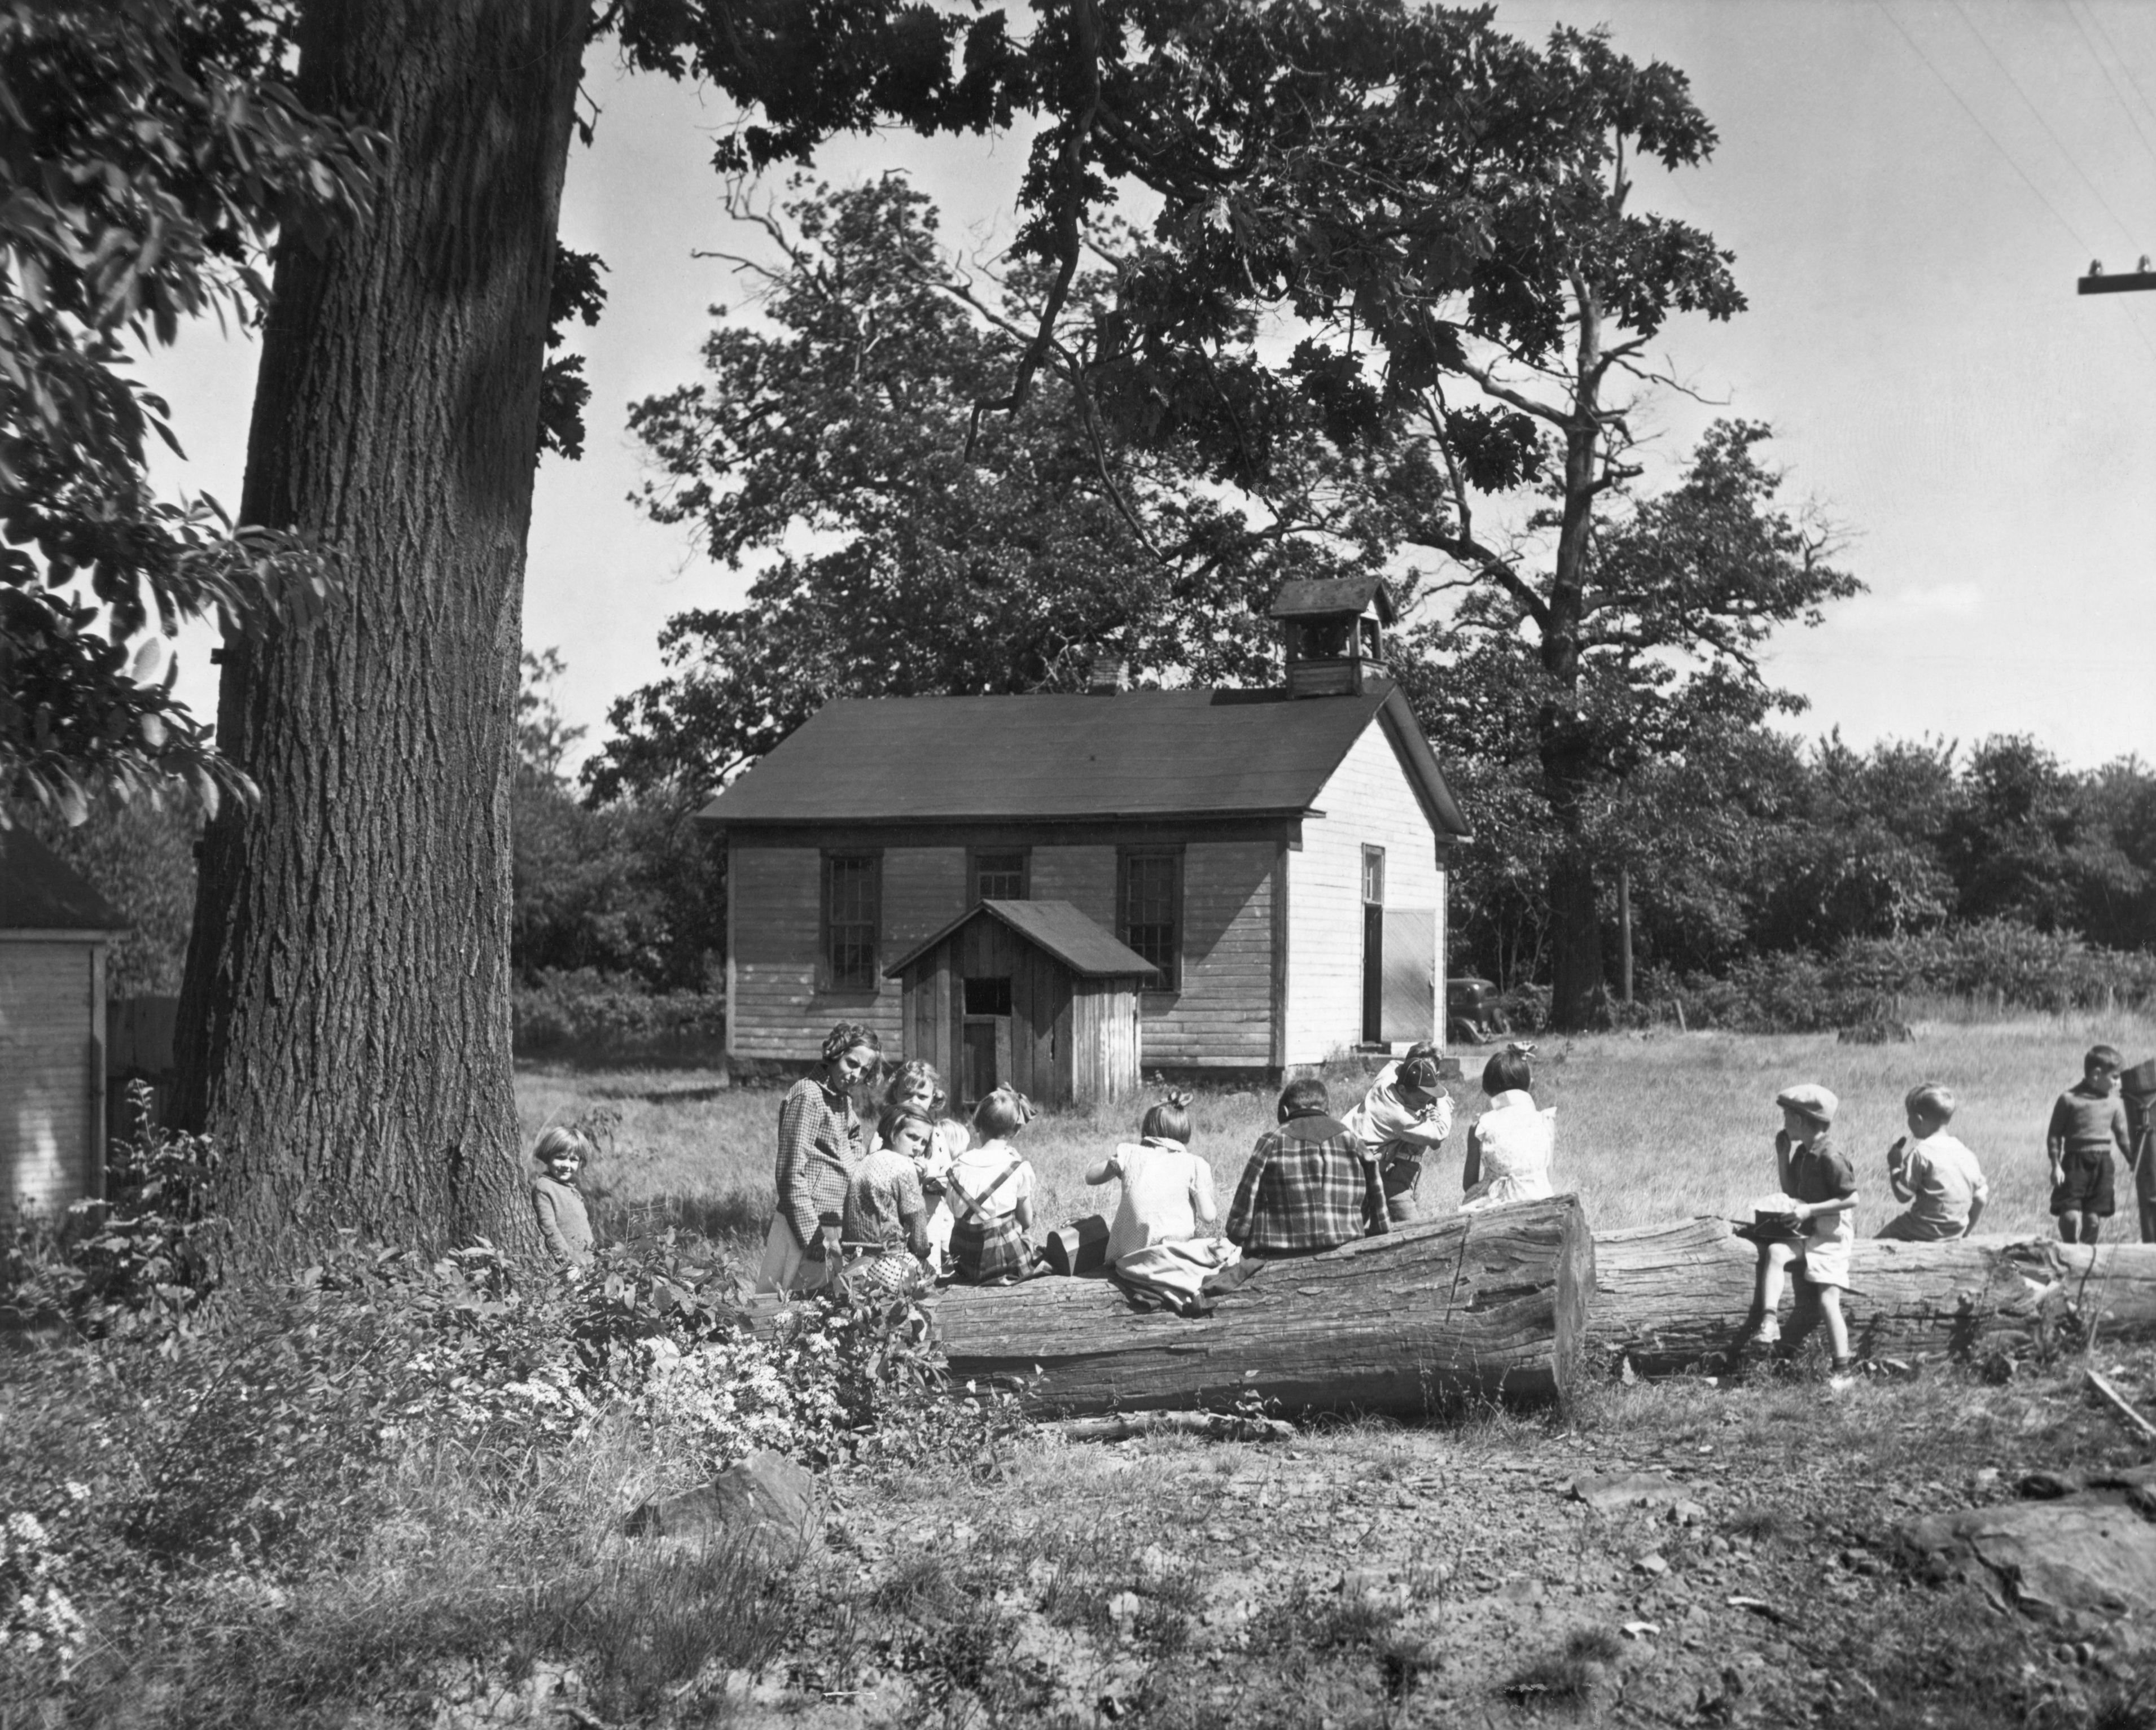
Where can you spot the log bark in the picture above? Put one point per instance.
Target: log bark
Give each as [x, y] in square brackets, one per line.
[1488, 1305]
[344, 1027]
[1673, 1298]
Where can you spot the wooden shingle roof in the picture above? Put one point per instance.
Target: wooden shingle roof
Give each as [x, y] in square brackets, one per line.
[40, 891]
[1157, 754]
[1087, 948]
[1310, 595]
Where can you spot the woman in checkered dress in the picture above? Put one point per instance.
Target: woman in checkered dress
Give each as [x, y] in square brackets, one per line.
[989, 1189]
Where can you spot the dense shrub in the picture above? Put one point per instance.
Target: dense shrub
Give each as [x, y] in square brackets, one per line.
[590, 1015]
[143, 1255]
[1996, 961]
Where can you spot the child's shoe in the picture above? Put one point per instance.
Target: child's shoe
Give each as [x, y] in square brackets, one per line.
[1841, 1376]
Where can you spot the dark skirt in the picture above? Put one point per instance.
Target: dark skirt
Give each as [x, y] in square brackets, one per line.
[996, 1250]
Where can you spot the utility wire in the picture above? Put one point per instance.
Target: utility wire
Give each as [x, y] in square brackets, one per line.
[2007, 155]
[2125, 107]
[2125, 66]
[1917, 48]
[2095, 192]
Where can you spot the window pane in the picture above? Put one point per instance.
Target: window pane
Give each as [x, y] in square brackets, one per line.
[999, 876]
[853, 923]
[1149, 911]
[1373, 875]
[988, 997]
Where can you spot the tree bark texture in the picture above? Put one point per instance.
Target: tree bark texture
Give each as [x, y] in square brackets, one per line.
[1675, 1298]
[345, 1024]
[1565, 744]
[1489, 1305]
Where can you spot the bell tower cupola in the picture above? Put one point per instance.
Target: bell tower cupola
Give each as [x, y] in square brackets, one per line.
[1335, 633]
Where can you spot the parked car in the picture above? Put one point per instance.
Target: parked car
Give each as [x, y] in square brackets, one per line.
[1472, 1013]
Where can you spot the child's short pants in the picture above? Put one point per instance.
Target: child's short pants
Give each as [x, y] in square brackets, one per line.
[1824, 1262]
[2085, 1184]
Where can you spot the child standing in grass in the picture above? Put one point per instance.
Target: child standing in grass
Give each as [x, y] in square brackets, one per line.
[1933, 1173]
[564, 1225]
[1167, 1190]
[990, 1191]
[1821, 1187]
[2087, 1124]
[1512, 1146]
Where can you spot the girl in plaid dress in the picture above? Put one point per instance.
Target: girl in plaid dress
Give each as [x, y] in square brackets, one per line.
[990, 1193]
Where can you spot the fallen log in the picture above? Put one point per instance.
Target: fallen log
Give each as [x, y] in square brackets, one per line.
[1674, 1297]
[1490, 1305]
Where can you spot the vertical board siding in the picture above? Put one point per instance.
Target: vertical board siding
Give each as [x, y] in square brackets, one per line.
[1223, 1016]
[774, 1012]
[1108, 1032]
[52, 1011]
[1368, 801]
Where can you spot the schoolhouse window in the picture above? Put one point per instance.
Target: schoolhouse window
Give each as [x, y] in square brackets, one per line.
[1373, 876]
[852, 894]
[1150, 908]
[999, 876]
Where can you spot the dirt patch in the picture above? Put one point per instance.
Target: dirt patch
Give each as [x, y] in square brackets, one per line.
[1371, 1575]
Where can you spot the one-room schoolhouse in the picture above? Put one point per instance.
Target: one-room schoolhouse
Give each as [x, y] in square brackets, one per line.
[1275, 860]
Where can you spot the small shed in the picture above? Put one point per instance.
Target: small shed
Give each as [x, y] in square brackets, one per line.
[1026, 995]
[55, 930]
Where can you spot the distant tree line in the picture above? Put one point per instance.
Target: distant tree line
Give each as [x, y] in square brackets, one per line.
[1751, 844]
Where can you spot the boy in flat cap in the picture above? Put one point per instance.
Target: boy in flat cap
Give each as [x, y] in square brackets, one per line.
[1821, 1187]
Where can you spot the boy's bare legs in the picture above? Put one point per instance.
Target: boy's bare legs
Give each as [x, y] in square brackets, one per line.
[1764, 1323]
[1837, 1327]
[2080, 1228]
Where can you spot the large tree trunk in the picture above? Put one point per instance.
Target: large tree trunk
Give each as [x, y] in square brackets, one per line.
[1675, 1298]
[1487, 1305]
[345, 1021]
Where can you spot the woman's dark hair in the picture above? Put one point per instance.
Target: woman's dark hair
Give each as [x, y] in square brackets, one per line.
[897, 1117]
[1170, 1119]
[1299, 1099]
[847, 1035]
[1508, 1072]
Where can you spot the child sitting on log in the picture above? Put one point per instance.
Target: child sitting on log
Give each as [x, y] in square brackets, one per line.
[918, 1086]
[1933, 1173]
[1512, 1144]
[1819, 1185]
[1167, 1190]
[886, 1217]
[990, 1191]
[1405, 1115]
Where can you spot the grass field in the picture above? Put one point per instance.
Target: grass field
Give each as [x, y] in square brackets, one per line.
[1649, 1128]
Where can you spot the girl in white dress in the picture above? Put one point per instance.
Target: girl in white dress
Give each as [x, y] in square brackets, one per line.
[1512, 1146]
[1167, 1190]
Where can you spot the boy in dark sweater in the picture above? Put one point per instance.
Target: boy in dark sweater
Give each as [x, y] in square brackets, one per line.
[2088, 1125]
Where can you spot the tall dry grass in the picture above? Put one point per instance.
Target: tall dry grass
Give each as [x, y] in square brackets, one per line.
[1649, 1128]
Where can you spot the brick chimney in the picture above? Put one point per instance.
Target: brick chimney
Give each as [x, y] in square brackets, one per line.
[1110, 673]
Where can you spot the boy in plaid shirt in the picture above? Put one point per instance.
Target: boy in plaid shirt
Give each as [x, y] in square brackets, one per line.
[1311, 1185]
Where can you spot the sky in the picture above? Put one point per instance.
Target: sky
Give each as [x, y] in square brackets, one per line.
[1911, 190]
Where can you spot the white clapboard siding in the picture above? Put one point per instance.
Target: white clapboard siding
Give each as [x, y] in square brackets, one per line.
[1368, 802]
[51, 1079]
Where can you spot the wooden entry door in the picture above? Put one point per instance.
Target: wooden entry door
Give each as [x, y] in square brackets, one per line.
[977, 1059]
[1373, 945]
